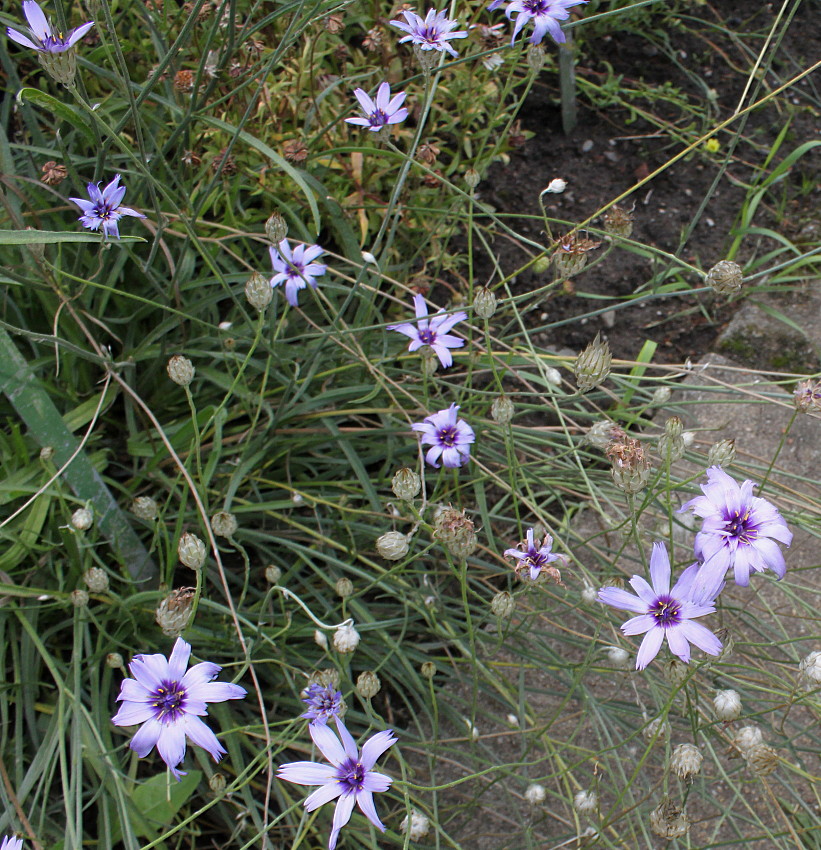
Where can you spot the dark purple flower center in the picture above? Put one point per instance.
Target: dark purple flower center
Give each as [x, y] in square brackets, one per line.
[666, 611]
[105, 211]
[447, 435]
[427, 336]
[536, 7]
[429, 34]
[168, 700]
[378, 118]
[352, 775]
[741, 527]
[295, 269]
[535, 558]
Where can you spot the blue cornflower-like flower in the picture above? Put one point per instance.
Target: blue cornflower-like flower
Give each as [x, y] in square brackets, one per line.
[349, 778]
[545, 15]
[169, 702]
[431, 32]
[41, 36]
[533, 557]
[382, 111]
[433, 331]
[323, 702]
[449, 437]
[665, 613]
[739, 530]
[11, 843]
[296, 268]
[105, 208]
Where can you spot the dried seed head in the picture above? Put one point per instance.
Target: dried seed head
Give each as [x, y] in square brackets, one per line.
[217, 783]
[82, 519]
[747, 737]
[675, 671]
[592, 366]
[484, 303]
[224, 163]
[191, 551]
[472, 178]
[618, 222]
[393, 545]
[726, 277]
[184, 80]
[657, 729]
[503, 605]
[589, 594]
[373, 39]
[258, 291]
[807, 396]
[224, 524]
[295, 150]
[502, 410]
[406, 484]
[180, 370]
[427, 153]
[668, 820]
[809, 669]
[586, 802]
[570, 254]
[96, 580]
[174, 612]
[53, 174]
[368, 684]
[603, 433]
[631, 469]
[535, 794]
[346, 639]
[427, 670]
[762, 758]
[144, 507]
[276, 228]
[115, 661]
[418, 826]
[327, 678]
[344, 587]
[455, 531]
[79, 598]
[273, 574]
[46, 453]
[334, 24]
[535, 58]
[727, 705]
[686, 761]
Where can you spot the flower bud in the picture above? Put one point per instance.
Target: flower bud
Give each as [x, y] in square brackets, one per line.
[675, 671]
[393, 545]
[602, 433]
[344, 587]
[96, 580]
[224, 524]
[727, 705]
[668, 820]
[535, 794]
[721, 453]
[726, 277]
[273, 574]
[191, 551]
[502, 410]
[144, 507]
[589, 594]
[661, 395]
[46, 453]
[586, 802]
[327, 678]
[428, 361]
[174, 612]
[686, 761]
[61, 66]
[258, 291]
[541, 264]
[114, 660]
[455, 531]
[552, 376]
[657, 729]
[762, 758]
[427, 670]
[406, 484]
[82, 519]
[320, 639]
[276, 228]
[556, 186]
[473, 731]
[592, 366]
[346, 639]
[180, 370]
[418, 826]
[79, 598]
[618, 222]
[535, 58]
[747, 737]
[217, 784]
[671, 443]
[503, 605]
[472, 178]
[617, 656]
[368, 684]
[809, 669]
[484, 303]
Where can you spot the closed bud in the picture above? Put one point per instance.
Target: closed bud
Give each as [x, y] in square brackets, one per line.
[535, 58]
[503, 605]
[180, 370]
[661, 395]
[668, 820]
[174, 612]
[144, 507]
[217, 783]
[809, 669]
[418, 826]
[393, 545]
[96, 580]
[455, 531]
[727, 705]
[592, 366]
[344, 587]
[618, 222]
[79, 598]
[368, 684]
[224, 524]
[82, 519]
[258, 291]
[320, 639]
[726, 277]
[191, 551]
[747, 737]
[686, 761]
[671, 444]
[535, 794]
[675, 671]
[428, 361]
[553, 376]
[541, 265]
[46, 453]
[658, 729]
[585, 802]
[617, 656]
[484, 303]
[602, 433]
[589, 594]
[273, 574]
[406, 484]
[427, 670]
[502, 410]
[276, 229]
[762, 758]
[114, 660]
[472, 178]
[346, 639]
[721, 453]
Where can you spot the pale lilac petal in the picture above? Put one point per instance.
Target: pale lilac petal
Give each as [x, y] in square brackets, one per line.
[202, 736]
[171, 744]
[351, 750]
[649, 648]
[444, 355]
[432, 455]
[22, 39]
[639, 625]
[678, 643]
[660, 569]
[178, 660]
[620, 598]
[132, 713]
[364, 799]
[134, 692]
[368, 106]
[407, 329]
[307, 773]
[328, 744]
[217, 692]
[420, 306]
[342, 815]
[375, 746]
[643, 589]
[375, 782]
[329, 791]
[76, 34]
[37, 20]
[701, 636]
[146, 737]
[150, 670]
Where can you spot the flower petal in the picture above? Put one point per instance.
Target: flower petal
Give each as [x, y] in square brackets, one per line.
[342, 815]
[649, 648]
[375, 746]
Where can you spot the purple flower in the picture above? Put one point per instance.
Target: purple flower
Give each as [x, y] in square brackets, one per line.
[432, 332]
[449, 437]
[323, 702]
[430, 33]
[385, 110]
[40, 34]
[104, 208]
[349, 776]
[536, 558]
[664, 612]
[545, 15]
[11, 843]
[297, 268]
[169, 703]
[739, 530]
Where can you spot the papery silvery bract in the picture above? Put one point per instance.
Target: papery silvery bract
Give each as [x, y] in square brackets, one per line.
[534, 557]
[105, 208]
[350, 776]
[168, 702]
[323, 702]
[382, 111]
[433, 331]
[11, 843]
[545, 15]
[296, 268]
[739, 530]
[665, 613]
[431, 32]
[448, 437]
[41, 36]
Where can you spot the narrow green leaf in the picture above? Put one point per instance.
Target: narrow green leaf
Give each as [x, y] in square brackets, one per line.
[61, 110]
